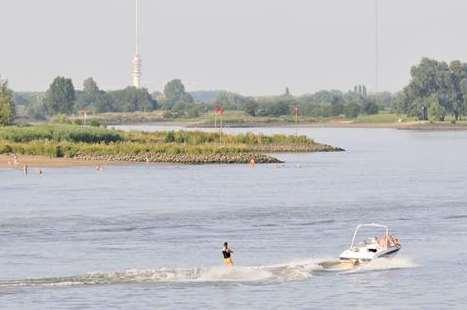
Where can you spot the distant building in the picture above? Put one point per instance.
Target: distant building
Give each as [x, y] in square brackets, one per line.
[360, 89]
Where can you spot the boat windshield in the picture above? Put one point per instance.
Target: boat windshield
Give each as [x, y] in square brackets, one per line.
[380, 233]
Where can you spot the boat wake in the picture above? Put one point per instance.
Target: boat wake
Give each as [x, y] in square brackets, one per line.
[381, 264]
[292, 271]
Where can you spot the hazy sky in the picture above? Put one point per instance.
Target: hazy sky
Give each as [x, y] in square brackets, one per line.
[254, 47]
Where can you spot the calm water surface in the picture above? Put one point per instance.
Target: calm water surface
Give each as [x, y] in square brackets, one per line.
[149, 236]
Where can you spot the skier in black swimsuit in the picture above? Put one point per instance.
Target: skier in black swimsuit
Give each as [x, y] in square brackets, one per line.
[227, 253]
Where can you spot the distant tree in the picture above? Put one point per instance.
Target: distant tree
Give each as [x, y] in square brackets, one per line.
[90, 87]
[92, 98]
[401, 102]
[435, 78]
[7, 105]
[323, 97]
[193, 111]
[174, 89]
[179, 107]
[455, 94]
[88, 96]
[276, 106]
[103, 103]
[463, 85]
[250, 107]
[356, 98]
[233, 101]
[370, 107]
[174, 92]
[324, 103]
[60, 97]
[384, 100]
[352, 110]
[32, 105]
[337, 109]
[435, 110]
[132, 99]
[37, 110]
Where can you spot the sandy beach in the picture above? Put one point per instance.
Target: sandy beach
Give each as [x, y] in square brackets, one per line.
[7, 161]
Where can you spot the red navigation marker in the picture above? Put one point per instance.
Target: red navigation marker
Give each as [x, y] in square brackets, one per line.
[219, 110]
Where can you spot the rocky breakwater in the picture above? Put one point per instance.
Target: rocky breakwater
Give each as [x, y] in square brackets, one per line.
[297, 148]
[214, 158]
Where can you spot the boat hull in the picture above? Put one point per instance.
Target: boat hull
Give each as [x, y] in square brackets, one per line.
[364, 254]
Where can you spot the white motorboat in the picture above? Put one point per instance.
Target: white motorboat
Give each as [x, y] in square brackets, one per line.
[368, 249]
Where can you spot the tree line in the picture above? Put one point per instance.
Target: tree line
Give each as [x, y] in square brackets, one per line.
[323, 103]
[63, 98]
[436, 89]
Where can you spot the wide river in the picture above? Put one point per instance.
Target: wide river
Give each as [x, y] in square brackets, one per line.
[150, 236]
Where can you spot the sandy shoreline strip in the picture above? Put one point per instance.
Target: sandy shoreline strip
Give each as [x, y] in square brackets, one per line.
[6, 161]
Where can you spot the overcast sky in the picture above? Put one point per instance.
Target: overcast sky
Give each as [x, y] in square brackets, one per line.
[254, 47]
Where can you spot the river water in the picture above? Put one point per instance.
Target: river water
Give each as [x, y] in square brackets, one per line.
[150, 236]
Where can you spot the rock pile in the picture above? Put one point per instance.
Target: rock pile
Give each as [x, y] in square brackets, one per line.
[238, 158]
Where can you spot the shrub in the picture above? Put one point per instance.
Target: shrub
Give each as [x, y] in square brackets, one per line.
[94, 123]
[5, 149]
[60, 133]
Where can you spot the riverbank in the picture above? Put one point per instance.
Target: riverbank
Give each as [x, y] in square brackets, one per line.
[236, 119]
[181, 147]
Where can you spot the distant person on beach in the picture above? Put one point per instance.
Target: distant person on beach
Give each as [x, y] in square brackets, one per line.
[227, 253]
[25, 169]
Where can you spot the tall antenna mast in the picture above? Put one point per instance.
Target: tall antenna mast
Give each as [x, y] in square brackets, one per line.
[376, 46]
[136, 73]
[138, 25]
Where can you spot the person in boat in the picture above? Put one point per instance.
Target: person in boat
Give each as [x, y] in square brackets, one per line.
[386, 241]
[393, 241]
[382, 241]
[227, 253]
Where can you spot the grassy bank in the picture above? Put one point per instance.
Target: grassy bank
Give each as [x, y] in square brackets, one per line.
[87, 143]
[241, 119]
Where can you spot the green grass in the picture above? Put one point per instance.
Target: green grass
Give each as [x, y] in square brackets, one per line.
[60, 133]
[68, 149]
[201, 137]
[73, 133]
[238, 118]
[381, 118]
[72, 141]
